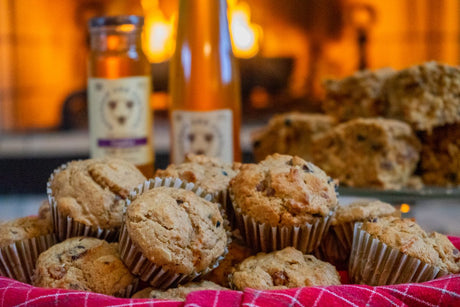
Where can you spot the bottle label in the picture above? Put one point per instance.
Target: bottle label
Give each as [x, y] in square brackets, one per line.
[120, 121]
[208, 133]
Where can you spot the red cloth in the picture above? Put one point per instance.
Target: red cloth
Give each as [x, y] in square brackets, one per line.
[439, 292]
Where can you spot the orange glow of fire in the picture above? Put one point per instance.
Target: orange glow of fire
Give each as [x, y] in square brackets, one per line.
[405, 208]
[244, 34]
[158, 36]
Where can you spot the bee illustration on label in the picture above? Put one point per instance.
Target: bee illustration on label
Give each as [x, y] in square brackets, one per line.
[121, 109]
[200, 136]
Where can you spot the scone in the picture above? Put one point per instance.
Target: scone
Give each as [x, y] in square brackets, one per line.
[21, 242]
[287, 268]
[425, 96]
[440, 157]
[283, 201]
[86, 197]
[336, 247]
[171, 236]
[390, 250]
[84, 263]
[369, 152]
[359, 95]
[179, 293]
[290, 134]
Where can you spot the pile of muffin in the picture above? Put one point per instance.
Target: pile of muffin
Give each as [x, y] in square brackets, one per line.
[205, 224]
[382, 129]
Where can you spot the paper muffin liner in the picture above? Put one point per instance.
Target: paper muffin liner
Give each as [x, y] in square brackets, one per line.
[66, 227]
[331, 250]
[17, 260]
[130, 289]
[148, 271]
[374, 263]
[266, 238]
[344, 235]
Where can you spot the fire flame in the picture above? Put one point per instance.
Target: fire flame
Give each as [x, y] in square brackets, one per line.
[244, 34]
[158, 32]
[159, 36]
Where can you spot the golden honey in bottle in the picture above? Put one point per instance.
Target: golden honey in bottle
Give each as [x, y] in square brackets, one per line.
[205, 107]
[119, 85]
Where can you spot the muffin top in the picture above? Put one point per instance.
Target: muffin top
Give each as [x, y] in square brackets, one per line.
[283, 190]
[287, 268]
[179, 293]
[362, 210]
[24, 228]
[90, 191]
[176, 229]
[211, 174]
[44, 211]
[408, 237]
[237, 252]
[83, 263]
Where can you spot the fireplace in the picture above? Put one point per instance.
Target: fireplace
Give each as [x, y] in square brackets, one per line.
[299, 43]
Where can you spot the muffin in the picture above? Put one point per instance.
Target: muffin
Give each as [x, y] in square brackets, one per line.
[290, 133]
[237, 252]
[171, 235]
[21, 242]
[211, 174]
[346, 216]
[87, 264]
[359, 95]
[283, 201]
[425, 96]
[390, 250]
[369, 153]
[336, 247]
[179, 293]
[86, 197]
[287, 268]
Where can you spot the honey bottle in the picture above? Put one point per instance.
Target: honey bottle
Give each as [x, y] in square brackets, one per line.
[205, 106]
[119, 86]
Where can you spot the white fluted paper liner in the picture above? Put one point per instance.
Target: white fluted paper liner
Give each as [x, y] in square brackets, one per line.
[374, 263]
[331, 250]
[17, 260]
[66, 227]
[344, 233]
[130, 290]
[266, 238]
[139, 265]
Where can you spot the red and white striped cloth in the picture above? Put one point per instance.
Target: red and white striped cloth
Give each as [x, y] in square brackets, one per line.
[440, 292]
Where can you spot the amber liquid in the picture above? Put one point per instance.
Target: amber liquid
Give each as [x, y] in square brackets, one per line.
[204, 74]
[112, 60]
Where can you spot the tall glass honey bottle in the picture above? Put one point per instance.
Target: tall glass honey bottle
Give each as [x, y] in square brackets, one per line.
[119, 86]
[205, 106]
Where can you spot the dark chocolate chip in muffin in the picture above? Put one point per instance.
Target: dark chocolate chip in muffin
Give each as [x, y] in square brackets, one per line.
[260, 186]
